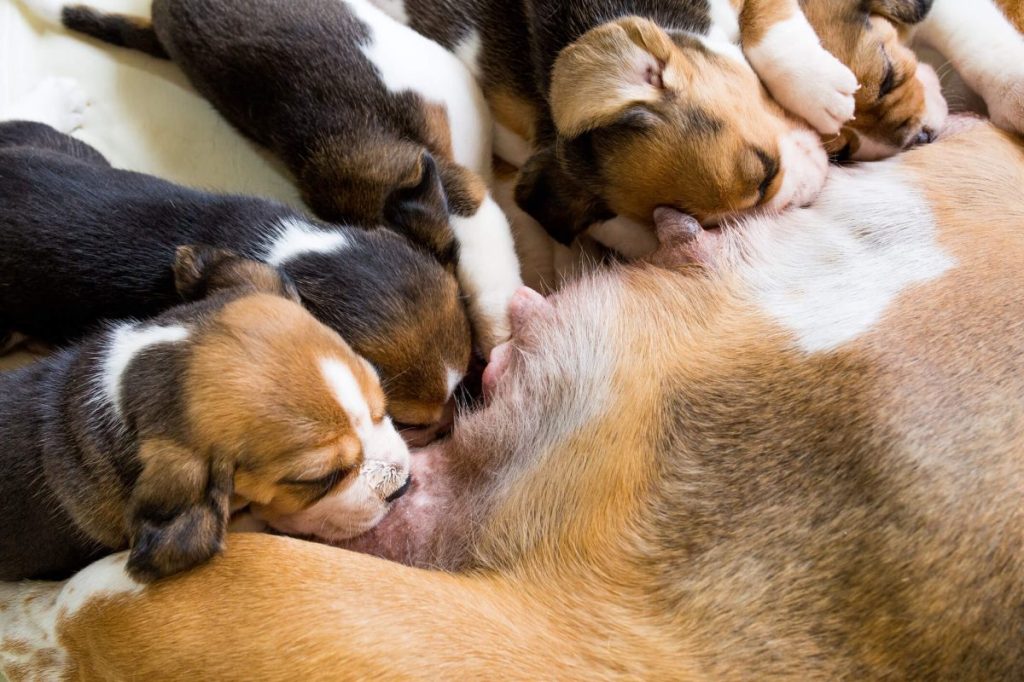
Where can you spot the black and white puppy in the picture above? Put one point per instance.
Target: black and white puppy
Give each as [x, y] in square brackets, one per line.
[146, 434]
[378, 124]
[85, 242]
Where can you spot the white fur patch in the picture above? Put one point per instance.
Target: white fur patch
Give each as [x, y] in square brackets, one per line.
[294, 238]
[58, 102]
[828, 273]
[408, 61]
[126, 342]
[803, 76]
[454, 379]
[394, 9]
[488, 270]
[626, 236]
[32, 611]
[345, 387]
[725, 22]
[511, 147]
[468, 52]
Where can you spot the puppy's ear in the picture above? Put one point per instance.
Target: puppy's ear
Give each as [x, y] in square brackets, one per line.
[418, 209]
[178, 512]
[556, 198]
[611, 68]
[203, 270]
[901, 11]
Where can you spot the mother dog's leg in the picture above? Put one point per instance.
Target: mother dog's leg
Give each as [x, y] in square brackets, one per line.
[298, 611]
[987, 51]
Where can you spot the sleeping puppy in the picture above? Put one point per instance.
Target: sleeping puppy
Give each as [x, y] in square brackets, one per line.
[147, 434]
[900, 102]
[362, 111]
[85, 242]
[615, 107]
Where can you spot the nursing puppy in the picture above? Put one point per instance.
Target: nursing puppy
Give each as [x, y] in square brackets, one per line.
[900, 102]
[615, 107]
[84, 242]
[378, 124]
[148, 434]
[789, 452]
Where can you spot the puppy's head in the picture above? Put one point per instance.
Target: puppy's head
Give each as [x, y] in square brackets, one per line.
[379, 180]
[645, 118]
[279, 412]
[900, 101]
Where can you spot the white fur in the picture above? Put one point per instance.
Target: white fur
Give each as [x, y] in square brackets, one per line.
[488, 269]
[454, 377]
[409, 62]
[468, 51]
[626, 236]
[126, 342]
[510, 146]
[725, 21]
[986, 50]
[394, 9]
[294, 238]
[57, 102]
[33, 611]
[828, 273]
[805, 167]
[803, 76]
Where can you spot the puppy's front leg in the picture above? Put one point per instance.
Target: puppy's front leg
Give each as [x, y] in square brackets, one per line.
[800, 74]
[987, 51]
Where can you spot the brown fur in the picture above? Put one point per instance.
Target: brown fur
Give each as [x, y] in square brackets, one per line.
[735, 509]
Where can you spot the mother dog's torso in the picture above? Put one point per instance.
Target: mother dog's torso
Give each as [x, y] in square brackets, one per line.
[802, 458]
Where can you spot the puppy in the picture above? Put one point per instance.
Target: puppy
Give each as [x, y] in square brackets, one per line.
[900, 102]
[362, 111]
[615, 107]
[147, 434]
[85, 242]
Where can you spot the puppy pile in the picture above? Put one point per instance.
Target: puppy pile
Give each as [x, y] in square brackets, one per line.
[229, 352]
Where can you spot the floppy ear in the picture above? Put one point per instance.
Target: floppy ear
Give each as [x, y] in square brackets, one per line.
[178, 512]
[418, 209]
[615, 66]
[202, 270]
[559, 202]
[901, 11]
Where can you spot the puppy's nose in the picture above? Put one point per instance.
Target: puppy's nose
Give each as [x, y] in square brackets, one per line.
[926, 136]
[401, 491]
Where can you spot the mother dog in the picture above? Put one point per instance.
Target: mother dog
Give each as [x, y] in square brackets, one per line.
[792, 450]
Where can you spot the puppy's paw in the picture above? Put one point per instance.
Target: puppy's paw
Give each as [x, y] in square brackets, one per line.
[1005, 102]
[57, 102]
[818, 88]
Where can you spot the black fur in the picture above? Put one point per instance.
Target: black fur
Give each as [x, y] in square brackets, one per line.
[292, 76]
[84, 242]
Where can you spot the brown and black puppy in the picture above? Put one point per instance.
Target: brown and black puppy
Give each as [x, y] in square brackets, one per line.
[379, 125]
[900, 102]
[85, 242]
[147, 435]
[615, 107]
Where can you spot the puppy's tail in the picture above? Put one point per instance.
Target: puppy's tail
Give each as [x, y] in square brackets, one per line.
[117, 29]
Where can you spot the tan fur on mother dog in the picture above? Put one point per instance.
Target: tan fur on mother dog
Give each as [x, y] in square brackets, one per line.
[774, 463]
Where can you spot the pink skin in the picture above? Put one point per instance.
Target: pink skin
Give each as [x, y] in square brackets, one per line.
[405, 533]
[683, 241]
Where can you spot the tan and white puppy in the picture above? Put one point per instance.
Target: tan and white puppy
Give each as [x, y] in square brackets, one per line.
[615, 107]
[900, 102]
[148, 434]
[791, 451]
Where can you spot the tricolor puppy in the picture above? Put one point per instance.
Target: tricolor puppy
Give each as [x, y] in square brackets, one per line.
[615, 107]
[900, 102]
[148, 434]
[378, 124]
[84, 242]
